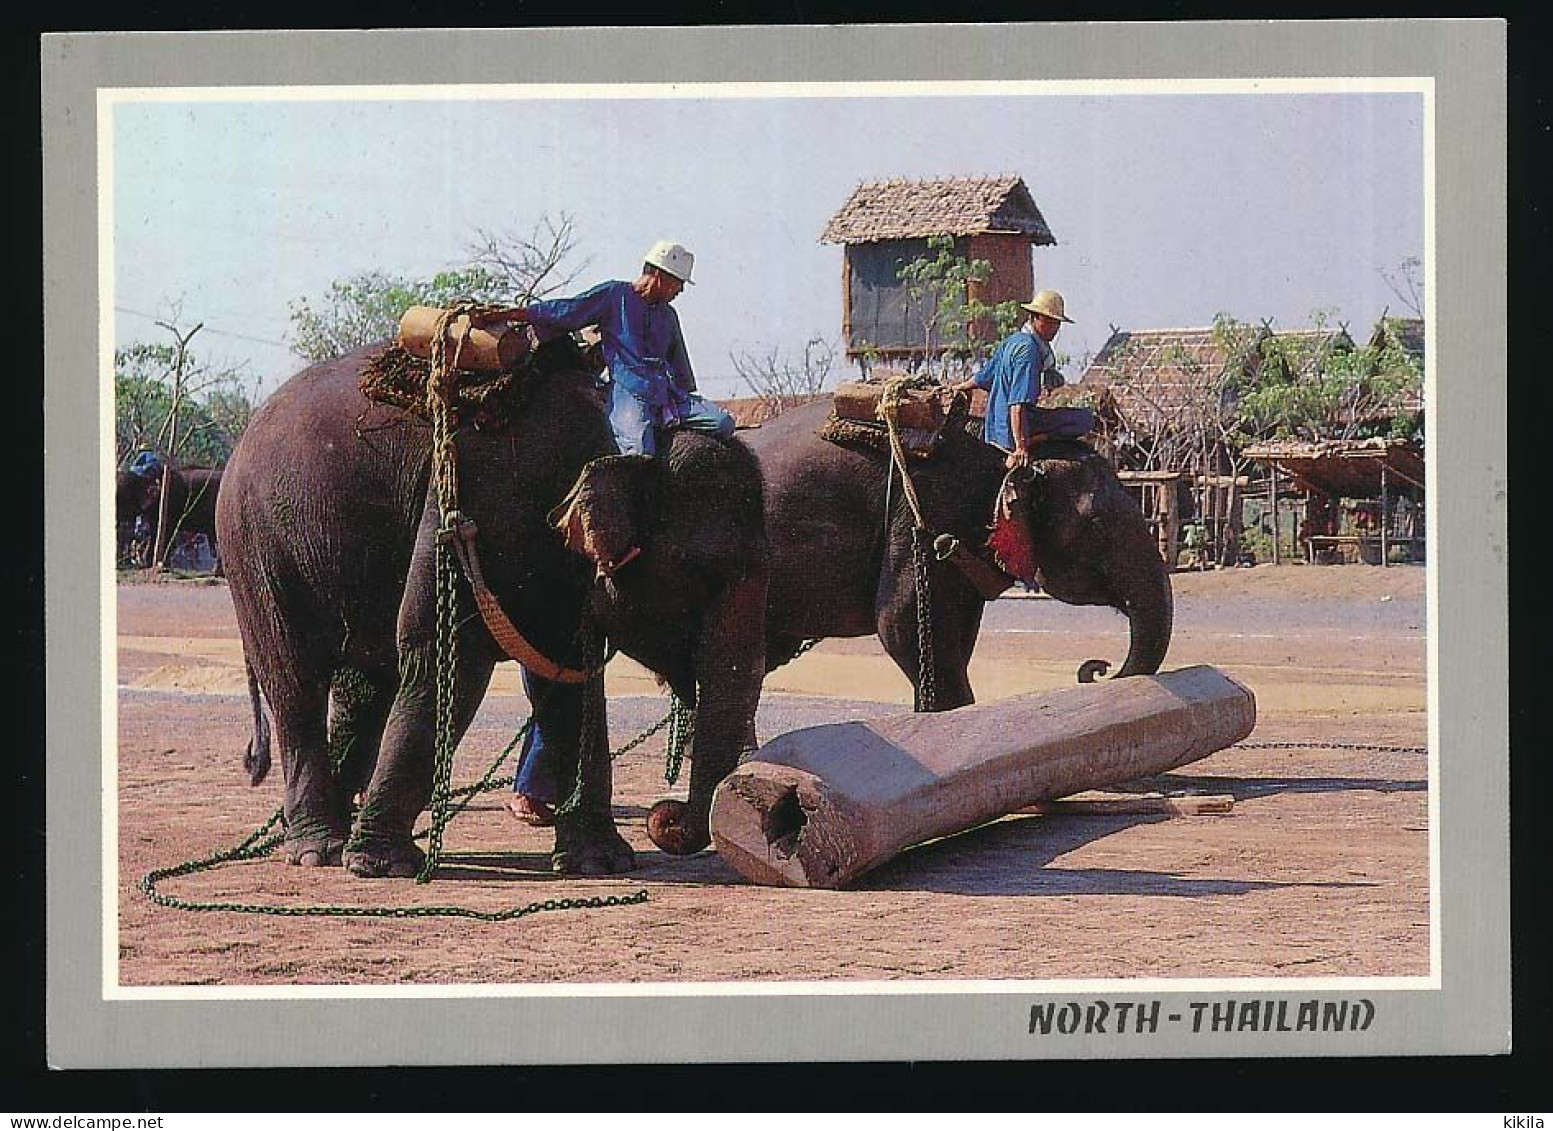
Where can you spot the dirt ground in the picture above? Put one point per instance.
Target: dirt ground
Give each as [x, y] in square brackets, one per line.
[1321, 868]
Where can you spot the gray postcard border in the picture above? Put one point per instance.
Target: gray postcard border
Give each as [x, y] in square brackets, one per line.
[1470, 1013]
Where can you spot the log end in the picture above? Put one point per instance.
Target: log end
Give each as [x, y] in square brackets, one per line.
[781, 826]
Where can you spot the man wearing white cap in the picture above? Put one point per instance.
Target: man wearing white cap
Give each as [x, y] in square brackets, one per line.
[652, 387]
[1012, 378]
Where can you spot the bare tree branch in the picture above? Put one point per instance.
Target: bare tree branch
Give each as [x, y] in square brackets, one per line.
[534, 265]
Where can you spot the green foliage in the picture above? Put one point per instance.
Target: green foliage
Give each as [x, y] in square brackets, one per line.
[939, 287]
[215, 410]
[1304, 392]
[366, 308]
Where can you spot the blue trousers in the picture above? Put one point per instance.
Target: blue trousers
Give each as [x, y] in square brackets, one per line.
[637, 425]
[562, 707]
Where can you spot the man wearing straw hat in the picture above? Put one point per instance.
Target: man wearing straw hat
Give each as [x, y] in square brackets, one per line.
[652, 387]
[1012, 379]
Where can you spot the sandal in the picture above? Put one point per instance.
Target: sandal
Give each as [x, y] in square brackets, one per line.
[530, 810]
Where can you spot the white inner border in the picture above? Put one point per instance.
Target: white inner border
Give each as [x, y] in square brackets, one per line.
[108, 99]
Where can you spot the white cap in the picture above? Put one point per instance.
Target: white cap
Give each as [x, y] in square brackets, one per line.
[666, 255]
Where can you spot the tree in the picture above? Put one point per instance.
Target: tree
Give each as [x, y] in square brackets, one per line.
[1406, 281]
[215, 409]
[366, 307]
[1367, 391]
[782, 381]
[187, 412]
[955, 326]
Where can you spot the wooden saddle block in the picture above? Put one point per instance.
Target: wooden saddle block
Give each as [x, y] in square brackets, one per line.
[820, 806]
[923, 410]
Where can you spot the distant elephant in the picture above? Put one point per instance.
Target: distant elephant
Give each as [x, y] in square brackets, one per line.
[191, 506]
[329, 531]
[841, 567]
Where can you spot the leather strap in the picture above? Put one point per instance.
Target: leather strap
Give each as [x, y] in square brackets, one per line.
[460, 532]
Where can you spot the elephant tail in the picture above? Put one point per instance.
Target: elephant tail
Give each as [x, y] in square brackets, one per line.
[256, 758]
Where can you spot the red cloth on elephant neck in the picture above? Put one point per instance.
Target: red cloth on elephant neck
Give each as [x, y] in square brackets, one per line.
[1011, 543]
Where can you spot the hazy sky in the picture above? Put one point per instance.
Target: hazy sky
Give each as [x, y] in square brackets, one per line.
[1167, 208]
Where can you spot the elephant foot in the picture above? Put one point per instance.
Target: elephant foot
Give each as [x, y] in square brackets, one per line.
[590, 846]
[383, 857]
[670, 827]
[314, 850]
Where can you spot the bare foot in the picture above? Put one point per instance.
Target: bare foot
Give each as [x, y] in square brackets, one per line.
[530, 810]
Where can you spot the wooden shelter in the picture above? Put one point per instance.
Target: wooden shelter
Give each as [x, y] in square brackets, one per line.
[886, 224]
[1384, 476]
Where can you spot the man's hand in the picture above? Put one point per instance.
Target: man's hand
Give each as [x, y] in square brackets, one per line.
[1019, 457]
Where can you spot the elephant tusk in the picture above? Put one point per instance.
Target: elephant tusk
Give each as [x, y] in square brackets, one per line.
[609, 569]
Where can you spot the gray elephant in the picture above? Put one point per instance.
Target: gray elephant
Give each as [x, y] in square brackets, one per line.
[330, 534]
[191, 506]
[841, 566]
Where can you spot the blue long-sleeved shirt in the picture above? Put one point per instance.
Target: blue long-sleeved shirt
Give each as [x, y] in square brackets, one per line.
[1011, 376]
[642, 342]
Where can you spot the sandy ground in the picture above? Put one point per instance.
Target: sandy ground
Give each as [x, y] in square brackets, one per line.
[1321, 869]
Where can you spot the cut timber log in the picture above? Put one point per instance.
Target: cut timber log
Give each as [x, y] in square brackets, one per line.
[818, 807]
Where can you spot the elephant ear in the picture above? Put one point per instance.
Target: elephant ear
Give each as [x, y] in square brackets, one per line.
[600, 515]
[1011, 540]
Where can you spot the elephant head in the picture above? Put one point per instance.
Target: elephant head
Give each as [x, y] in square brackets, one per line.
[1073, 525]
[678, 543]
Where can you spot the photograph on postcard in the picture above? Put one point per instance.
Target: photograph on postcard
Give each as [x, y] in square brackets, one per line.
[933, 404]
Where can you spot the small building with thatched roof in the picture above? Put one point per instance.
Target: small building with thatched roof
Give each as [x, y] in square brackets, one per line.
[886, 224]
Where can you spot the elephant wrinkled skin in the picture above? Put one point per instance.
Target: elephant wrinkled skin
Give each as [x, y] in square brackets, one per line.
[841, 568]
[330, 534]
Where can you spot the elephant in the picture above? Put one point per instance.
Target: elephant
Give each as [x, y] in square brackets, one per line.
[191, 505]
[330, 531]
[842, 566]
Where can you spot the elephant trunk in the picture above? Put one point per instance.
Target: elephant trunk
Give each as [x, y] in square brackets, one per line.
[730, 666]
[1150, 610]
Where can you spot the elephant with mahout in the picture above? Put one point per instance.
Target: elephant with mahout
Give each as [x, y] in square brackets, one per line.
[842, 566]
[330, 533]
[191, 505]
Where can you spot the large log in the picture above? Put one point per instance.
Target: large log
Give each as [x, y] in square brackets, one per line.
[818, 807]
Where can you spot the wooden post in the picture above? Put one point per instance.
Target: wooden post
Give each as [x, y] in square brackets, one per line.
[820, 806]
[1273, 491]
[1385, 557]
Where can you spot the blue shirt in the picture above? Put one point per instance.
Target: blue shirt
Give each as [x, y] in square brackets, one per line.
[642, 343]
[1011, 376]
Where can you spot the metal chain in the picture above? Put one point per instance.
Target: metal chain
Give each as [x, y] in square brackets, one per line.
[927, 689]
[439, 398]
[682, 726]
[1332, 746]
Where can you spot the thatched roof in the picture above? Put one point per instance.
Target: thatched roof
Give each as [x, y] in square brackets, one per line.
[1407, 334]
[1161, 377]
[1347, 469]
[954, 206]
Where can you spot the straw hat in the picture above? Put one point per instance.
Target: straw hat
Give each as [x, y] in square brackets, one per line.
[1048, 303]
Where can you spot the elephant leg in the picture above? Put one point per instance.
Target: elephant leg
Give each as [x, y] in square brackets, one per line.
[359, 702]
[955, 617]
[572, 718]
[382, 843]
[316, 810]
